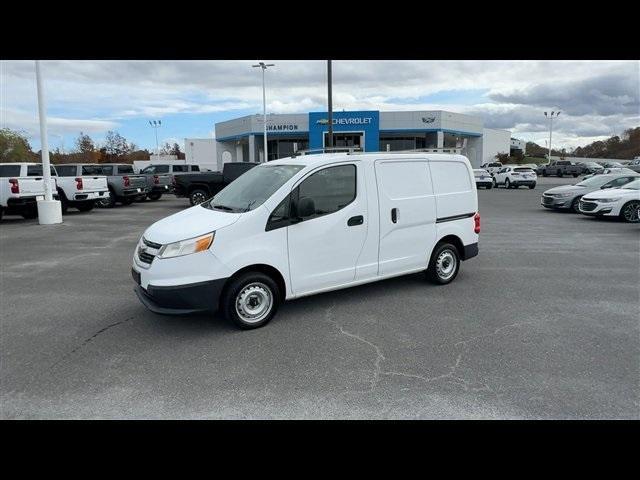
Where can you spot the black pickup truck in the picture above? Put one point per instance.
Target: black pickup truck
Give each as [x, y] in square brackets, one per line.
[198, 187]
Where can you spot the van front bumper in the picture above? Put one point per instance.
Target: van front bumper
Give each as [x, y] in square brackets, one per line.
[180, 299]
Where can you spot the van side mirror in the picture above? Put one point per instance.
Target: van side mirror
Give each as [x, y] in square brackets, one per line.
[306, 207]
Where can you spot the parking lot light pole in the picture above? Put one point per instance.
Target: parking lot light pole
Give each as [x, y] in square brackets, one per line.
[330, 102]
[49, 210]
[557, 114]
[264, 66]
[155, 125]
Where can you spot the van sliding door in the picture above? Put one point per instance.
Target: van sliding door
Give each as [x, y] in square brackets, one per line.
[407, 215]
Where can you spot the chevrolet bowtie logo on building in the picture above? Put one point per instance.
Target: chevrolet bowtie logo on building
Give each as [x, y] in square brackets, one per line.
[345, 121]
[428, 119]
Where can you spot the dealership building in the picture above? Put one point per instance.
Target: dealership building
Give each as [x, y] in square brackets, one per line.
[241, 139]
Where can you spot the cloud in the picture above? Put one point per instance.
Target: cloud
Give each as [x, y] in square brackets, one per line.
[596, 97]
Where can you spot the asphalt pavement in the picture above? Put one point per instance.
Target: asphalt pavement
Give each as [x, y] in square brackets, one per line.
[543, 324]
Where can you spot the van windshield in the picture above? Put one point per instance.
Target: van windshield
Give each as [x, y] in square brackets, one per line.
[252, 189]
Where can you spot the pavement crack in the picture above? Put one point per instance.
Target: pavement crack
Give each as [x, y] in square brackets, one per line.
[379, 355]
[89, 340]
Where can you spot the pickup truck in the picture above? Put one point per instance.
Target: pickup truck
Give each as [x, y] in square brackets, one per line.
[80, 186]
[160, 177]
[124, 185]
[560, 168]
[634, 165]
[20, 186]
[199, 187]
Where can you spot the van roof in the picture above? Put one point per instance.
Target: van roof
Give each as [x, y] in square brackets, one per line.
[326, 158]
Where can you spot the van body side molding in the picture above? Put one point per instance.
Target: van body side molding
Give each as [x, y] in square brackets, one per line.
[455, 217]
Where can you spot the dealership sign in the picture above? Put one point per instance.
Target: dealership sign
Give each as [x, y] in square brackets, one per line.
[282, 128]
[346, 121]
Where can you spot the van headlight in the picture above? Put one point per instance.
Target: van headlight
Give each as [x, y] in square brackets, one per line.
[186, 247]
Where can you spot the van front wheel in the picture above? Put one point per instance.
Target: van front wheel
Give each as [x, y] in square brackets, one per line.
[251, 300]
[444, 264]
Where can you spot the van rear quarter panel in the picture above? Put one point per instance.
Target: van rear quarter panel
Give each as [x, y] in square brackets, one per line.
[456, 194]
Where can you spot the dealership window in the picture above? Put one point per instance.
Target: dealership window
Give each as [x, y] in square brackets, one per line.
[281, 148]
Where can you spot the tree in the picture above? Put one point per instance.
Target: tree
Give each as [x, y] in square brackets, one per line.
[14, 146]
[175, 150]
[84, 144]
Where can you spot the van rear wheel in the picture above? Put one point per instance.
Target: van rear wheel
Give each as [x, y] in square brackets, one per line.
[444, 264]
[251, 300]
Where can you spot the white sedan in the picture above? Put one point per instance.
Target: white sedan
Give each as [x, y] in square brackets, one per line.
[614, 202]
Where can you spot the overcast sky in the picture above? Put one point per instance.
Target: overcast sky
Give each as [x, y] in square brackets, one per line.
[597, 98]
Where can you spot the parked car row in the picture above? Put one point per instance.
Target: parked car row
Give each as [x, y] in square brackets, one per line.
[610, 195]
[85, 186]
[509, 177]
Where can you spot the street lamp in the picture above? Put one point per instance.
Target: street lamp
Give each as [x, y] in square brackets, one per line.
[264, 66]
[550, 117]
[155, 125]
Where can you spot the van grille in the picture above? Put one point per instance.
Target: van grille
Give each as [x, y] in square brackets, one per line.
[148, 251]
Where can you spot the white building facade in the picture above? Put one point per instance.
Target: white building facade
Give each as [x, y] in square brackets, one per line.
[241, 139]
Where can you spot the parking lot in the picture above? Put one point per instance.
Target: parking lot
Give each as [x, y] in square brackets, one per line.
[544, 323]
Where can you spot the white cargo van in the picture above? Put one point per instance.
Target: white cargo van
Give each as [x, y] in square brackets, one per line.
[310, 224]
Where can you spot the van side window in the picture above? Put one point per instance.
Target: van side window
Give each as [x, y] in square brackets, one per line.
[331, 189]
[177, 168]
[107, 169]
[280, 215]
[195, 168]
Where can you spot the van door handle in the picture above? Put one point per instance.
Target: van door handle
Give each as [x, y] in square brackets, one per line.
[357, 220]
[394, 215]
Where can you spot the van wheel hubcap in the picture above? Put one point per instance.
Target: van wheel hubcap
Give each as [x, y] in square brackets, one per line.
[446, 264]
[254, 302]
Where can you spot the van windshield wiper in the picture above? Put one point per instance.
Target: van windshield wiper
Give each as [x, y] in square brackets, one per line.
[222, 207]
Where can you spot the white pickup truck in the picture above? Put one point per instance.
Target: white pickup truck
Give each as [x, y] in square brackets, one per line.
[80, 186]
[21, 185]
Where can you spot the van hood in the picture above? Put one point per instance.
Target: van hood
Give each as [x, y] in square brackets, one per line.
[189, 223]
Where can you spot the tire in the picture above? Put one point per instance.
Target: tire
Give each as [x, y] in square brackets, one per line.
[531, 187]
[154, 196]
[197, 196]
[1, 211]
[494, 183]
[575, 175]
[108, 202]
[575, 205]
[86, 206]
[30, 213]
[629, 212]
[64, 203]
[245, 289]
[544, 173]
[488, 187]
[127, 201]
[559, 173]
[441, 271]
[507, 183]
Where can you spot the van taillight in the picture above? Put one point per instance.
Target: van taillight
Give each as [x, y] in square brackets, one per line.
[476, 220]
[156, 180]
[79, 183]
[126, 181]
[15, 188]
